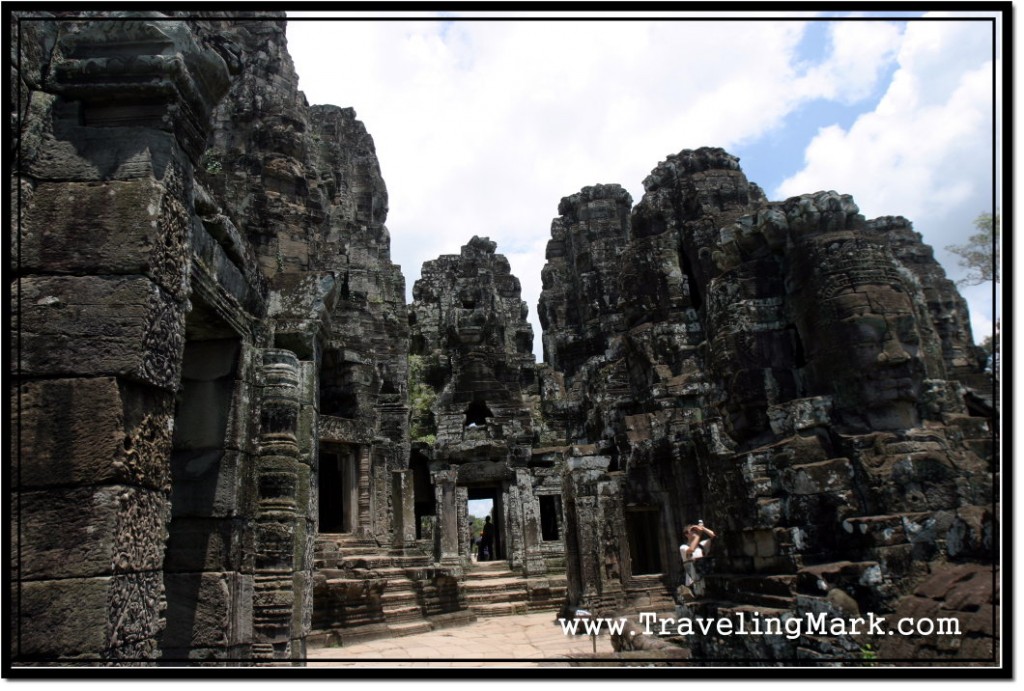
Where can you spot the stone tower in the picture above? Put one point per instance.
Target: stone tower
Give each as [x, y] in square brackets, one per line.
[793, 374]
[478, 392]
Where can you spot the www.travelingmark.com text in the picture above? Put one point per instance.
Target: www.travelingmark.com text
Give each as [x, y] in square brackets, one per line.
[747, 624]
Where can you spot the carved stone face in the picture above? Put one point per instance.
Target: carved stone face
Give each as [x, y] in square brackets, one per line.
[869, 343]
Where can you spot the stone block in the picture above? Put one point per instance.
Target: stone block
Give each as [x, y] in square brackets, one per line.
[199, 609]
[58, 148]
[91, 431]
[203, 544]
[206, 484]
[242, 422]
[91, 531]
[72, 432]
[95, 326]
[66, 618]
[112, 227]
[815, 478]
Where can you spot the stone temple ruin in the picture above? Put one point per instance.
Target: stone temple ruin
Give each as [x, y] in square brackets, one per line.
[234, 438]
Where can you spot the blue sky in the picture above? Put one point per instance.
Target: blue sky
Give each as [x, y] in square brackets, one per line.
[480, 507]
[482, 127]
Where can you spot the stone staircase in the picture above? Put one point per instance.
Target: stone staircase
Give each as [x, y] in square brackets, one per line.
[363, 591]
[494, 590]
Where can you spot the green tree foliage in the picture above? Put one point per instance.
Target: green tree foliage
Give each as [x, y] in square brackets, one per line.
[421, 403]
[978, 254]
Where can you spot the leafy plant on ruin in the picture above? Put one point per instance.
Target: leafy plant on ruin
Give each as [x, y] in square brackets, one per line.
[421, 403]
[211, 163]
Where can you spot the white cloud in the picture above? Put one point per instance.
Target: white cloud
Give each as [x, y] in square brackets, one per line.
[925, 152]
[481, 127]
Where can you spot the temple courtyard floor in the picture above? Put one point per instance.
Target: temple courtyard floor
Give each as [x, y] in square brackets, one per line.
[526, 640]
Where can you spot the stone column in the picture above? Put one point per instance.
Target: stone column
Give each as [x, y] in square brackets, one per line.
[444, 487]
[408, 507]
[512, 523]
[465, 529]
[595, 574]
[280, 527]
[364, 529]
[403, 528]
[533, 560]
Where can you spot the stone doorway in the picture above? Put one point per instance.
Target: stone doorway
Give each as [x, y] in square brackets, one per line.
[643, 531]
[339, 488]
[492, 493]
[424, 499]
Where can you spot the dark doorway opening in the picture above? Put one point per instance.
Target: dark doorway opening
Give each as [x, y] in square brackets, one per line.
[550, 516]
[339, 488]
[643, 528]
[424, 500]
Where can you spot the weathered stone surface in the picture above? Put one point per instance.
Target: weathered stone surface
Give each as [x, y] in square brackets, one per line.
[93, 326]
[962, 593]
[91, 430]
[783, 370]
[62, 619]
[475, 401]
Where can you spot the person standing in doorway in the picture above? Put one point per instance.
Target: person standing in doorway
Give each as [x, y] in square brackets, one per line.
[486, 541]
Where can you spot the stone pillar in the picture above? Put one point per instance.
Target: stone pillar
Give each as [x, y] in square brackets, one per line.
[465, 529]
[597, 532]
[403, 529]
[533, 560]
[445, 490]
[101, 298]
[512, 522]
[365, 526]
[280, 527]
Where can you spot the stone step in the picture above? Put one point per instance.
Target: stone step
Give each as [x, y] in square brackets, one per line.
[489, 575]
[409, 628]
[402, 613]
[366, 561]
[393, 597]
[499, 565]
[495, 583]
[499, 609]
[507, 596]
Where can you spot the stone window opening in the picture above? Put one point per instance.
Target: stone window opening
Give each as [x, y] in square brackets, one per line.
[477, 414]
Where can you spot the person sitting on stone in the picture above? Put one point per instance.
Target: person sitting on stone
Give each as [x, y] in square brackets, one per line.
[693, 549]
